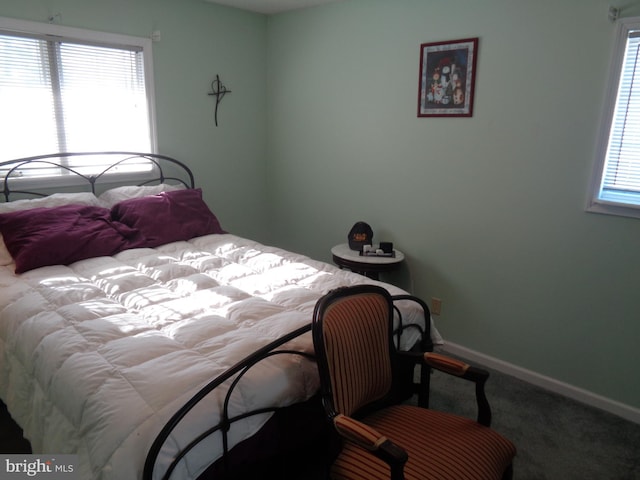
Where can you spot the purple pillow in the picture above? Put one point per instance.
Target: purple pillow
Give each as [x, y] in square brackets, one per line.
[62, 235]
[168, 216]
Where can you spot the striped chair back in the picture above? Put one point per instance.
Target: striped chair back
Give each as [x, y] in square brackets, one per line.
[352, 339]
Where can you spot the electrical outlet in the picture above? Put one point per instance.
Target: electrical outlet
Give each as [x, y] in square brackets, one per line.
[436, 306]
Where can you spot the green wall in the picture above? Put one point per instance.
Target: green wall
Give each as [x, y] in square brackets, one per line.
[321, 131]
[490, 210]
[198, 41]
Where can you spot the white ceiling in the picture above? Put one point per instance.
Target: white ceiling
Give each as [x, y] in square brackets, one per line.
[270, 6]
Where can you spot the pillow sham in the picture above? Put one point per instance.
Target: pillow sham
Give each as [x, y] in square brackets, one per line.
[168, 216]
[62, 235]
[55, 200]
[116, 195]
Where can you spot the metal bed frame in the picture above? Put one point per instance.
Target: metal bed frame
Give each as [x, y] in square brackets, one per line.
[405, 387]
[158, 162]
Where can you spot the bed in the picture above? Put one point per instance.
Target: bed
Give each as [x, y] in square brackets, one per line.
[138, 334]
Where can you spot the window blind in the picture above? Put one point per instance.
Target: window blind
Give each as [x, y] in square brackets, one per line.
[61, 95]
[621, 177]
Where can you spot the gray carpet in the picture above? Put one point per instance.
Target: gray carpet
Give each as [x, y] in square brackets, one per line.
[557, 438]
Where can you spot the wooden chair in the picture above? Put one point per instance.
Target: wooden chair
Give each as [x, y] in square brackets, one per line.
[352, 329]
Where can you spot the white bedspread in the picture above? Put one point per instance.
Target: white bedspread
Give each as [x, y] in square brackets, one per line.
[95, 357]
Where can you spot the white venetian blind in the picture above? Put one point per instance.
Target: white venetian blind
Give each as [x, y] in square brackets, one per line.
[61, 95]
[621, 177]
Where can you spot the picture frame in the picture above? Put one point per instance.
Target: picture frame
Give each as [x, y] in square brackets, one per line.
[447, 78]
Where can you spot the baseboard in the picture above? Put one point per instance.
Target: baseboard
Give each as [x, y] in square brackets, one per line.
[612, 406]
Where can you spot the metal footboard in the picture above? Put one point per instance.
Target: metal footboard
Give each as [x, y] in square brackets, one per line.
[237, 372]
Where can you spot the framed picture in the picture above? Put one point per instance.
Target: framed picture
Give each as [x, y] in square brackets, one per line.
[447, 78]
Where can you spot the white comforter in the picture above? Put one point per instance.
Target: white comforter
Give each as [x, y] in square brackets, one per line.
[95, 357]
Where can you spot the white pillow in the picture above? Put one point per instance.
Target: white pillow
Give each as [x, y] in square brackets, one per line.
[116, 195]
[55, 200]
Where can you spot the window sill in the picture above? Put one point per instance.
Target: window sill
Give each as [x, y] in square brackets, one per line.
[614, 209]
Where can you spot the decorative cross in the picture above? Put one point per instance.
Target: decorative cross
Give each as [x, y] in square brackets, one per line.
[218, 90]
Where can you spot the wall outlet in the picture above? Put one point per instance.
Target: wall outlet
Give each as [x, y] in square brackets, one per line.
[436, 306]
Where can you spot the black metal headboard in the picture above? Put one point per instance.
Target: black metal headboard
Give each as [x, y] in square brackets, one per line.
[163, 169]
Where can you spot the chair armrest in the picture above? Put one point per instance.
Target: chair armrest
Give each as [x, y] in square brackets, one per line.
[462, 370]
[368, 438]
[447, 364]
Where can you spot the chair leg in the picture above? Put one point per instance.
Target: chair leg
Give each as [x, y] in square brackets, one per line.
[425, 386]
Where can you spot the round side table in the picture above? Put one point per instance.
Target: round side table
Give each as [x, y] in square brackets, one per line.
[369, 266]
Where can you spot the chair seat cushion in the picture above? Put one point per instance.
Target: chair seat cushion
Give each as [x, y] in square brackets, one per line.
[440, 446]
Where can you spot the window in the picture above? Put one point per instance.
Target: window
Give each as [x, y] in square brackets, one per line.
[616, 188]
[64, 89]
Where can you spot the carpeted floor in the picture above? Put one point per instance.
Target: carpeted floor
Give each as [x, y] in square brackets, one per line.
[557, 438]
